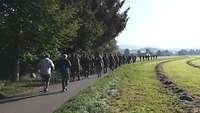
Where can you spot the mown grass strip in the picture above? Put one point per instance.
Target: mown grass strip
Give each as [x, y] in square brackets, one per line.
[184, 75]
[188, 101]
[196, 62]
[130, 89]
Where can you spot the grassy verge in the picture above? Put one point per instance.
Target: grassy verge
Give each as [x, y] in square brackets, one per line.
[25, 85]
[130, 89]
[184, 75]
[10, 89]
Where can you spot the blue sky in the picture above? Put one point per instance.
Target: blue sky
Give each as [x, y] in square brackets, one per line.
[162, 23]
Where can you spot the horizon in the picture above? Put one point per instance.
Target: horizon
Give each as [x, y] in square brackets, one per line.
[134, 47]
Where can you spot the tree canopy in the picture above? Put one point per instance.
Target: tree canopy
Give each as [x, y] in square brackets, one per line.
[30, 28]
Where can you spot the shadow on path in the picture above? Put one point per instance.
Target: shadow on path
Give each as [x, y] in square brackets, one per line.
[32, 95]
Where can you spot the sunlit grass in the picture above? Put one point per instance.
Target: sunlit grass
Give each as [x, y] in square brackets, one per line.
[142, 92]
[196, 61]
[184, 75]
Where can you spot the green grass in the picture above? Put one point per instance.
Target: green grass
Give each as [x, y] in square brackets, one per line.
[196, 62]
[10, 89]
[184, 75]
[25, 85]
[131, 89]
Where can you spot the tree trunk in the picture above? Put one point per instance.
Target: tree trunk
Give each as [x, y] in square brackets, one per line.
[17, 72]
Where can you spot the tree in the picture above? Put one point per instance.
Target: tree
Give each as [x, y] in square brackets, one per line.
[126, 51]
[31, 27]
[20, 29]
[100, 23]
[110, 47]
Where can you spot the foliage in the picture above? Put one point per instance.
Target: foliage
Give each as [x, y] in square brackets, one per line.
[32, 28]
[164, 53]
[188, 52]
[126, 51]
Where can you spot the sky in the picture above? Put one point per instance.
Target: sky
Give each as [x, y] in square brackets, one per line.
[165, 24]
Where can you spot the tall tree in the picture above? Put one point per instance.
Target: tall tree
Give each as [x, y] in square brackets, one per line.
[31, 27]
[101, 22]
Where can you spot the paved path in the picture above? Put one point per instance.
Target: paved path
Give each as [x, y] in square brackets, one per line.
[44, 103]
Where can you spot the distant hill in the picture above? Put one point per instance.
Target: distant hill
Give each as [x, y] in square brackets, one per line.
[168, 51]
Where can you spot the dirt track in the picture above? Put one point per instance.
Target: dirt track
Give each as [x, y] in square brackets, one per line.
[188, 101]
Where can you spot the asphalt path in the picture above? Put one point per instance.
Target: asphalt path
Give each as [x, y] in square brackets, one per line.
[40, 102]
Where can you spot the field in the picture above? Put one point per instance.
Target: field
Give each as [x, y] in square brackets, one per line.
[196, 62]
[184, 75]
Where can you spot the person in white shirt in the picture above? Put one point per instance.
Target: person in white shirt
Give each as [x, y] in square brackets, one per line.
[46, 66]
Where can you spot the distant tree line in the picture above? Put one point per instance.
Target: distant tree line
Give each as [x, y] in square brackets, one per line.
[164, 53]
[28, 28]
[141, 52]
[189, 52]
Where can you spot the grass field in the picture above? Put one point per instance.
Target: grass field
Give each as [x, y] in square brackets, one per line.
[130, 89]
[184, 75]
[196, 61]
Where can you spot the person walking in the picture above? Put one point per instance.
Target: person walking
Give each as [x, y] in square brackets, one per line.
[106, 62]
[65, 71]
[46, 66]
[111, 62]
[76, 67]
[99, 64]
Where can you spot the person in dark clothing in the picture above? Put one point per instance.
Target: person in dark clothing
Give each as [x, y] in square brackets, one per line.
[120, 59]
[129, 59]
[111, 62]
[84, 61]
[134, 59]
[75, 68]
[65, 71]
[140, 58]
[143, 58]
[91, 64]
[99, 64]
[105, 61]
[116, 61]
[124, 59]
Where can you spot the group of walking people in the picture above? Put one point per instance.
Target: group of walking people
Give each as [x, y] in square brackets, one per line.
[147, 57]
[74, 67]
